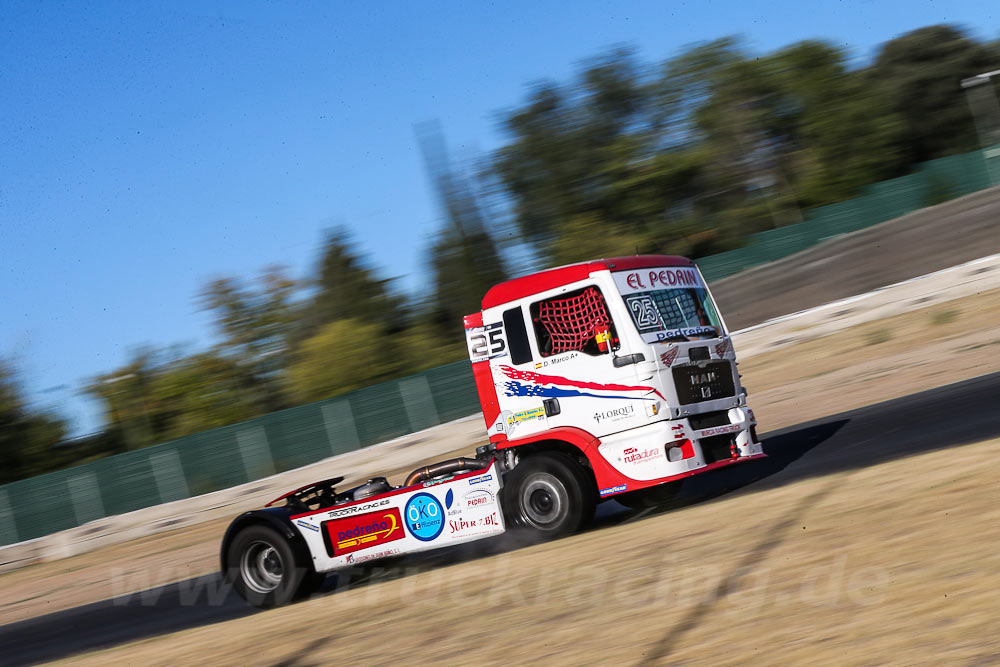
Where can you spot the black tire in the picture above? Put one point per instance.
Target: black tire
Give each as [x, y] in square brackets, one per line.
[653, 496]
[545, 496]
[265, 570]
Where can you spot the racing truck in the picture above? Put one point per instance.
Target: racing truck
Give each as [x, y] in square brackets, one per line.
[605, 379]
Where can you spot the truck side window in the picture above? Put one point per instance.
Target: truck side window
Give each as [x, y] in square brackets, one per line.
[517, 336]
[578, 320]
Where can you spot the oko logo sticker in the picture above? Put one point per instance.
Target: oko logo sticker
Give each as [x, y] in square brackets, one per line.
[424, 516]
[365, 530]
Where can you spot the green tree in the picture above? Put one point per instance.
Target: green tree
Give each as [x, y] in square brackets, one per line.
[29, 439]
[347, 288]
[918, 76]
[344, 355]
[255, 323]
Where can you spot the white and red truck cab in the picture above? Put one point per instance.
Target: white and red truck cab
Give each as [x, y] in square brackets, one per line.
[612, 378]
[624, 362]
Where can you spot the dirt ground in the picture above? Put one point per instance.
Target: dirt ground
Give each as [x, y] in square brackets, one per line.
[890, 564]
[850, 369]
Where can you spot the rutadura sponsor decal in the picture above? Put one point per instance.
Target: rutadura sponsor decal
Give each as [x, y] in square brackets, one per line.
[529, 383]
[635, 455]
[307, 525]
[364, 531]
[613, 489]
[424, 516]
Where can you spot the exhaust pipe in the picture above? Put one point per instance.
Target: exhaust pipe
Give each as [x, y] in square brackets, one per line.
[444, 468]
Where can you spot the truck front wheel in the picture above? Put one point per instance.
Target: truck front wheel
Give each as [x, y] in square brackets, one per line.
[545, 495]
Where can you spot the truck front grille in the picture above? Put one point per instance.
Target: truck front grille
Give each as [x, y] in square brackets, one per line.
[704, 383]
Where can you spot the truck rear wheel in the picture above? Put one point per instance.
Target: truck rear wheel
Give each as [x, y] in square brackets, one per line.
[545, 495]
[264, 569]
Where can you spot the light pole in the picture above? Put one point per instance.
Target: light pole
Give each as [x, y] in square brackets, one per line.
[986, 115]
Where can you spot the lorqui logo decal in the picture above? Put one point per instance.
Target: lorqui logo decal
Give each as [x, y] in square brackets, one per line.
[364, 530]
[529, 383]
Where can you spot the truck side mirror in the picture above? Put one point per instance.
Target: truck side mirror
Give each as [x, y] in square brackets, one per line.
[628, 359]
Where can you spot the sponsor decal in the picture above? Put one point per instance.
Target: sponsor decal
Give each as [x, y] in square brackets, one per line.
[719, 430]
[662, 279]
[365, 530]
[634, 455]
[513, 419]
[308, 526]
[480, 479]
[424, 516]
[371, 555]
[613, 489]
[556, 360]
[615, 414]
[722, 348]
[668, 357]
[478, 498]
[449, 498]
[435, 482]
[539, 386]
[356, 509]
[462, 527]
[687, 332]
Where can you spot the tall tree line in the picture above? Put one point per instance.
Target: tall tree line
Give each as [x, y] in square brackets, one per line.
[685, 156]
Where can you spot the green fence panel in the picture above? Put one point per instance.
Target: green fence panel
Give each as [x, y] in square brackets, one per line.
[379, 413]
[955, 176]
[896, 197]
[340, 426]
[297, 436]
[212, 460]
[454, 390]
[127, 482]
[41, 505]
[774, 244]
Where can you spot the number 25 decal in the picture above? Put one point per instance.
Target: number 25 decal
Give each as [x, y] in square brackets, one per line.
[487, 342]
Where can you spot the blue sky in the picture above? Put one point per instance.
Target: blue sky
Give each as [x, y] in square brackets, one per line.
[145, 148]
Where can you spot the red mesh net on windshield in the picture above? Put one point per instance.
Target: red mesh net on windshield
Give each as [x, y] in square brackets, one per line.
[574, 321]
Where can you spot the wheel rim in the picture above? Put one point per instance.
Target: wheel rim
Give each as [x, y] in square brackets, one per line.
[261, 567]
[542, 498]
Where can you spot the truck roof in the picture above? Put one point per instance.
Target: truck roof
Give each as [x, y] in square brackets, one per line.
[518, 288]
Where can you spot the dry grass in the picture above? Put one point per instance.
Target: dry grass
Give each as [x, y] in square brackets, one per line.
[895, 563]
[794, 384]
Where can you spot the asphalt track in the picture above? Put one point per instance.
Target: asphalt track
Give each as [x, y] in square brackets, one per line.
[956, 414]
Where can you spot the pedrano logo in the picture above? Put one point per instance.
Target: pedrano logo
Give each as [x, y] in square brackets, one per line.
[364, 531]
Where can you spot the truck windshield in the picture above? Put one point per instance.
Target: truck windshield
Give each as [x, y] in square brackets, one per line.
[669, 304]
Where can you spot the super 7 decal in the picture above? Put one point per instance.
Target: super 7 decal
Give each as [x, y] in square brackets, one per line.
[538, 382]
